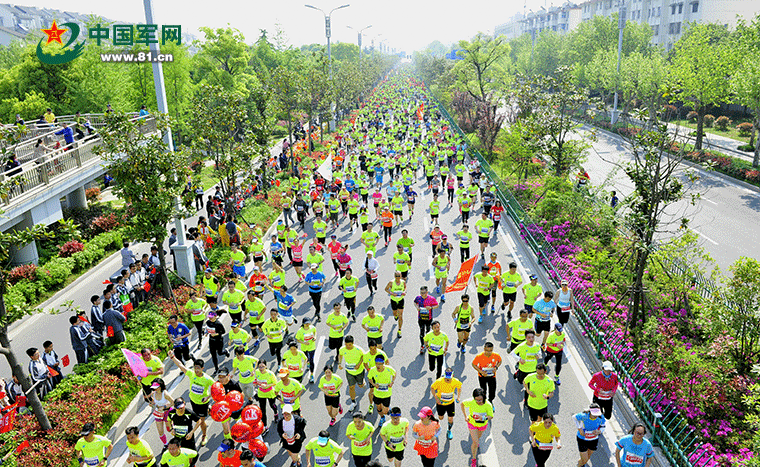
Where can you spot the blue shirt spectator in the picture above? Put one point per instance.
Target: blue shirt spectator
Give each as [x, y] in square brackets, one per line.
[67, 133]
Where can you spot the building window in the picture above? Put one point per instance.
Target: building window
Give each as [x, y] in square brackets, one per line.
[695, 7]
[655, 29]
[675, 28]
[659, 11]
[673, 9]
[680, 8]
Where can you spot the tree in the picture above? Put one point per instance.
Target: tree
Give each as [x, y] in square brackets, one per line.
[702, 64]
[547, 53]
[9, 240]
[260, 111]
[223, 56]
[655, 174]
[149, 177]
[285, 85]
[315, 92]
[643, 78]
[220, 130]
[746, 82]
[548, 108]
[481, 62]
[518, 151]
[436, 49]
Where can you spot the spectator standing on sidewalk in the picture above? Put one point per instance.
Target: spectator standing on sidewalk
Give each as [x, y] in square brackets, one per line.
[127, 256]
[39, 372]
[50, 358]
[78, 340]
[114, 322]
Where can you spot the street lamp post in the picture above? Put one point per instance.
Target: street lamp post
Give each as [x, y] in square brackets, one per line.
[621, 25]
[359, 31]
[183, 254]
[328, 17]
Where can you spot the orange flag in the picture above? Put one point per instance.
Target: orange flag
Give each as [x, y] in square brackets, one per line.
[463, 276]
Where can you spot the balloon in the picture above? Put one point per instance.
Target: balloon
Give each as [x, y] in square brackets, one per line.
[217, 391]
[221, 411]
[235, 399]
[251, 414]
[257, 429]
[277, 182]
[258, 447]
[241, 432]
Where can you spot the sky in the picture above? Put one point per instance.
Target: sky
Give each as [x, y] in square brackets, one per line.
[406, 25]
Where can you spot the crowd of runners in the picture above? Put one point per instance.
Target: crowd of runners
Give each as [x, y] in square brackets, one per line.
[396, 147]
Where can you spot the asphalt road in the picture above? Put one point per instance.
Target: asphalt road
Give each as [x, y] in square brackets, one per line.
[724, 216]
[506, 440]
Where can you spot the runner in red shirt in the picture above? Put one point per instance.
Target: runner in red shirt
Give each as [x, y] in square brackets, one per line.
[334, 246]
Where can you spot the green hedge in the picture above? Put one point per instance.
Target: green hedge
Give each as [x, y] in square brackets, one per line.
[52, 276]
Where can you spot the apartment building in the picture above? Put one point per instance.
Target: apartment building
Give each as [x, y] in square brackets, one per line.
[561, 19]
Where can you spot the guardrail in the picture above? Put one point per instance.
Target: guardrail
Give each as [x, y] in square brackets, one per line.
[670, 430]
[26, 179]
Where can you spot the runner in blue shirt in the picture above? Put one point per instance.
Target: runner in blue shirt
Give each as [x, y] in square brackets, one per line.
[637, 450]
[276, 248]
[285, 303]
[590, 424]
[316, 281]
[178, 334]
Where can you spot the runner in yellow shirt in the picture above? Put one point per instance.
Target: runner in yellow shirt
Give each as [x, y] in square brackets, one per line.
[447, 393]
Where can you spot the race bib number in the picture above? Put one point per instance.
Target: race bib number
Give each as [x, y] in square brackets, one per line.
[633, 459]
[322, 460]
[382, 387]
[447, 396]
[196, 389]
[350, 366]
[545, 446]
[181, 430]
[435, 348]
[91, 460]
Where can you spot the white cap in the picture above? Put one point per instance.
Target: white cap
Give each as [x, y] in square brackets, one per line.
[607, 365]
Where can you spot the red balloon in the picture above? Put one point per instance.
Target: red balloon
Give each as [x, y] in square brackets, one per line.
[241, 432]
[251, 414]
[217, 391]
[258, 447]
[235, 399]
[257, 429]
[221, 411]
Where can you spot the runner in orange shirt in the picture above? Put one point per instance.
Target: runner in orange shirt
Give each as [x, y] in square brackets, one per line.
[486, 363]
[387, 219]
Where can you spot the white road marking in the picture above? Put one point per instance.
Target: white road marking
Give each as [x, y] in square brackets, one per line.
[709, 201]
[705, 236]
[318, 353]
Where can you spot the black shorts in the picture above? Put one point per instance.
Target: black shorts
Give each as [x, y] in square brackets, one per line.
[353, 216]
[482, 299]
[297, 264]
[321, 240]
[397, 305]
[200, 410]
[529, 308]
[384, 401]
[258, 259]
[394, 454]
[536, 414]
[334, 216]
[295, 448]
[411, 203]
[510, 297]
[398, 212]
[332, 401]
[541, 326]
[467, 330]
[587, 444]
[335, 343]
[483, 239]
[445, 409]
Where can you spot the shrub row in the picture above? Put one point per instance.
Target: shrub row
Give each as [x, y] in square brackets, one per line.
[29, 282]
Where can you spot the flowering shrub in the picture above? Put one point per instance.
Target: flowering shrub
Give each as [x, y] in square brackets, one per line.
[104, 223]
[710, 120]
[26, 271]
[69, 248]
[692, 116]
[722, 122]
[744, 129]
[92, 194]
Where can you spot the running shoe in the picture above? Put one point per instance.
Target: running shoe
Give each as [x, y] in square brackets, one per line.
[463, 349]
[255, 343]
[437, 289]
[493, 309]
[449, 434]
[474, 463]
[398, 334]
[503, 306]
[459, 345]
[443, 298]
[351, 406]
[332, 422]
[340, 408]
[382, 421]
[311, 378]
[204, 440]
[422, 349]
[556, 380]
[480, 319]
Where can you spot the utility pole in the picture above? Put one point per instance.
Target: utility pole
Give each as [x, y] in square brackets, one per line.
[621, 25]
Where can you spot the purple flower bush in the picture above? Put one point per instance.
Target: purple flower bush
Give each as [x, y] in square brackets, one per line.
[680, 367]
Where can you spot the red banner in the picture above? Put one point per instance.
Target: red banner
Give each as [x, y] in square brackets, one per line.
[8, 420]
[463, 276]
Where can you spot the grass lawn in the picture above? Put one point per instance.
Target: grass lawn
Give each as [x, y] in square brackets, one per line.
[731, 132]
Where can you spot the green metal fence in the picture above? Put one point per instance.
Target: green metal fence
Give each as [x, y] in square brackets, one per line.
[670, 430]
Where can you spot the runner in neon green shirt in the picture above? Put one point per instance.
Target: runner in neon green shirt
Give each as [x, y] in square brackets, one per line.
[327, 453]
[381, 378]
[91, 448]
[437, 344]
[360, 434]
[373, 324]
